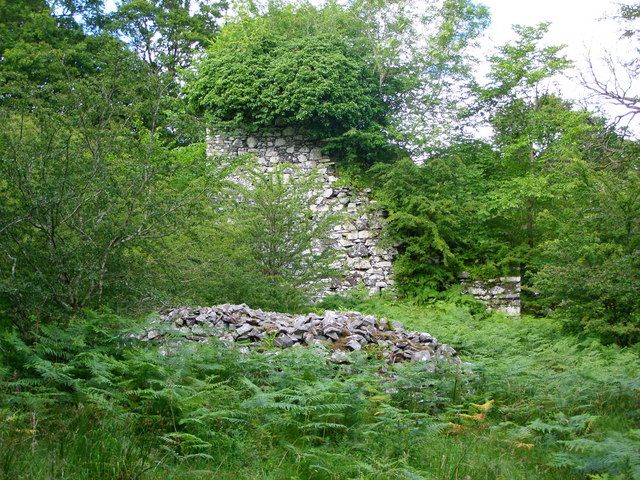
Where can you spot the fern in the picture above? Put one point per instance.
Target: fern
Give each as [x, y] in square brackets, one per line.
[617, 454]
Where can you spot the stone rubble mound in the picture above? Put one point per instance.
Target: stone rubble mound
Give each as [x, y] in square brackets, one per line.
[342, 332]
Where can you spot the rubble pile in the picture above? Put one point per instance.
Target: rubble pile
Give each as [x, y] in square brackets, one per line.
[342, 332]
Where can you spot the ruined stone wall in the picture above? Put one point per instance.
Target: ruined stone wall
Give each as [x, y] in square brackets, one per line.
[501, 294]
[358, 240]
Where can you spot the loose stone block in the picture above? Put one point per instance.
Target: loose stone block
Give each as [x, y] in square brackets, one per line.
[334, 333]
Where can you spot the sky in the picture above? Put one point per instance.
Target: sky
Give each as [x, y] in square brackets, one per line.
[576, 23]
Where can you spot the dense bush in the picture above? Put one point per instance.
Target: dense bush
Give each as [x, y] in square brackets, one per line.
[590, 274]
[595, 289]
[305, 67]
[260, 242]
[91, 179]
[318, 82]
[438, 214]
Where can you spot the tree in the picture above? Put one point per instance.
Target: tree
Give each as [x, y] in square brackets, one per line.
[348, 75]
[539, 137]
[89, 185]
[263, 243]
[289, 241]
[438, 215]
[90, 12]
[563, 195]
[167, 33]
[422, 48]
[261, 71]
[590, 273]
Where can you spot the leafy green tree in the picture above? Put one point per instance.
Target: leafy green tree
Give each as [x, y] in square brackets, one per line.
[422, 50]
[437, 215]
[38, 53]
[562, 195]
[263, 243]
[166, 33]
[289, 68]
[346, 74]
[590, 273]
[79, 205]
[91, 13]
[519, 68]
[90, 185]
[540, 138]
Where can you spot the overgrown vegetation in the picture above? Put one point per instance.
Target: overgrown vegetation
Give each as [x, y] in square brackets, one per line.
[538, 200]
[110, 208]
[348, 75]
[91, 400]
[263, 244]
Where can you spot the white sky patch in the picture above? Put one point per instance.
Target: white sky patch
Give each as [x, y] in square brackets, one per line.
[573, 22]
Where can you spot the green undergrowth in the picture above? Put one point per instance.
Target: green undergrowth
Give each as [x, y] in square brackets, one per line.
[90, 401]
[571, 399]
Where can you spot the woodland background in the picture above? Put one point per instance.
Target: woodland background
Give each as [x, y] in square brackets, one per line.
[110, 209]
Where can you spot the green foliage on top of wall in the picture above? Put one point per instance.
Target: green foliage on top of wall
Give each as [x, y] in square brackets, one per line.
[296, 67]
[351, 74]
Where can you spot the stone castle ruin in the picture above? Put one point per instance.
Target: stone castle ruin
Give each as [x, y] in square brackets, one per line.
[501, 294]
[358, 241]
[362, 253]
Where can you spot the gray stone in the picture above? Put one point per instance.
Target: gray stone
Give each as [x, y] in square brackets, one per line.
[500, 294]
[421, 356]
[362, 264]
[358, 251]
[243, 329]
[353, 345]
[426, 338]
[315, 153]
[152, 334]
[340, 357]
[351, 329]
[284, 341]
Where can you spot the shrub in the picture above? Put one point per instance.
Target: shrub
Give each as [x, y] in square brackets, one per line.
[302, 67]
[262, 244]
[594, 287]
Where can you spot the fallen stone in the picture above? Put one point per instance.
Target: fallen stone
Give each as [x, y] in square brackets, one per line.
[339, 331]
[284, 341]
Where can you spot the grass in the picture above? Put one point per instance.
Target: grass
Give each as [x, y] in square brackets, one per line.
[89, 402]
